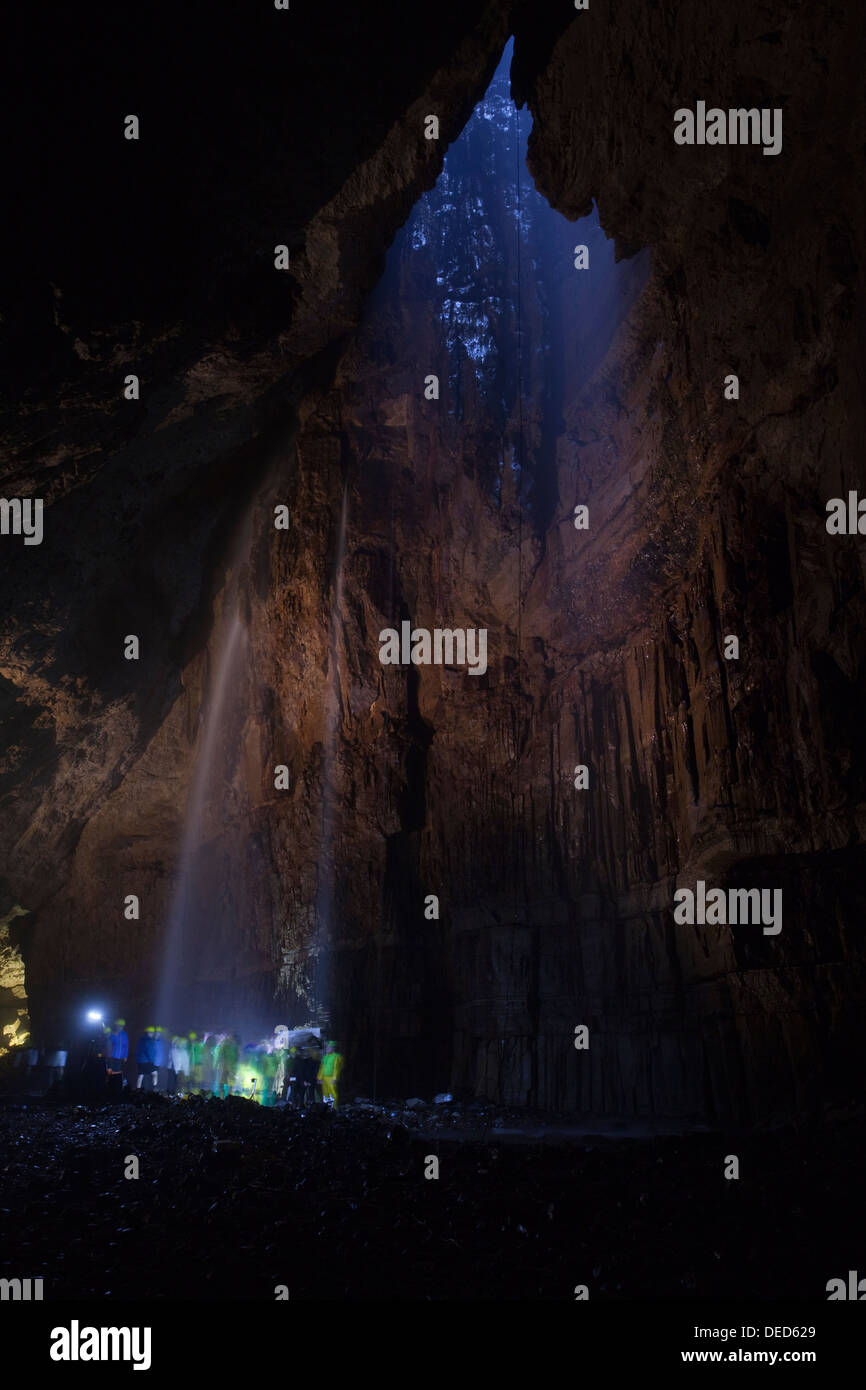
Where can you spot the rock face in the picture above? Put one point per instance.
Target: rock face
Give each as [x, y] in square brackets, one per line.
[750, 771]
[606, 646]
[13, 995]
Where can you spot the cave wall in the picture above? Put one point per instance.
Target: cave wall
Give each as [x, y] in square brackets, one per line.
[740, 772]
[707, 518]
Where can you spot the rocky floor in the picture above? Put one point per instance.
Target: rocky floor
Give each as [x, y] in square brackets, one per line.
[232, 1200]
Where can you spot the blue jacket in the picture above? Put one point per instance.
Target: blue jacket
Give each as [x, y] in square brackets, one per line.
[119, 1046]
[158, 1051]
[144, 1050]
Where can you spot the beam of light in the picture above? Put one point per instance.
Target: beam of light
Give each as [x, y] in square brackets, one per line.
[229, 660]
[232, 645]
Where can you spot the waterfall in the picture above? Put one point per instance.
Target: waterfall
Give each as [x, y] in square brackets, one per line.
[181, 933]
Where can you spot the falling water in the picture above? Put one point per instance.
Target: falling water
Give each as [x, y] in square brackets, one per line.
[180, 934]
[325, 891]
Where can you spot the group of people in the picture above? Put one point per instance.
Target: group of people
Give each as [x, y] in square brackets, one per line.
[277, 1068]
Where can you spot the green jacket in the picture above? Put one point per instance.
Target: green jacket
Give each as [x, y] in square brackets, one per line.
[332, 1065]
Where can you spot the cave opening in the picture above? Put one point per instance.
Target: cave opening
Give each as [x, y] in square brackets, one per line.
[482, 283]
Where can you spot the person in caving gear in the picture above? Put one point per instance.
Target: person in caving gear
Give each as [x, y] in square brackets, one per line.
[226, 1055]
[119, 1041]
[160, 1054]
[329, 1072]
[250, 1075]
[280, 1056]
[210, 1059]
[55, 1063]
[144, 1055]
[310, 1059]
[179, 1063]
[303, 1066]
[267, 1066]
[93, 1067]
[294, 1076]
[196, 1059]
[117, 1056]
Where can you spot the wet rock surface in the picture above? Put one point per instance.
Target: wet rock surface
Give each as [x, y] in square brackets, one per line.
[338, 1207]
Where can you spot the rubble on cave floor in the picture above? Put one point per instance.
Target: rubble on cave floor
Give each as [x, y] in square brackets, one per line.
[232, 1199]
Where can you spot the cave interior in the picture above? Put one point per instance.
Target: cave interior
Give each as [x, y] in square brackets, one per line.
[430, 391]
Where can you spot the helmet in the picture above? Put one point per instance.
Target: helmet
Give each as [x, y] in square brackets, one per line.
[120, 1023]
[193, 1037]
[150, 1030]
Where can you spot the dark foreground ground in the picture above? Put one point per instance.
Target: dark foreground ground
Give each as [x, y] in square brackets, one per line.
[338, 1207]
